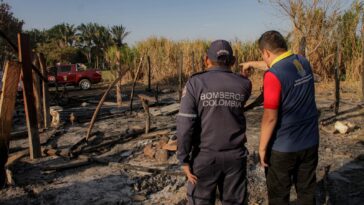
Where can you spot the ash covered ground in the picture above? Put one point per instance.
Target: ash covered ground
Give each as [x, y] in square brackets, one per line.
[152, 175]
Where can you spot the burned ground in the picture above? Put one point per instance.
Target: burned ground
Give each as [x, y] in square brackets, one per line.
[122, 172]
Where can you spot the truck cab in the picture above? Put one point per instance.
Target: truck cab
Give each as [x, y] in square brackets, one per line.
[74, 74]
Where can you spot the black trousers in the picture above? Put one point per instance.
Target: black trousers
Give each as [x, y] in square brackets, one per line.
[225, 171]
[285, 169]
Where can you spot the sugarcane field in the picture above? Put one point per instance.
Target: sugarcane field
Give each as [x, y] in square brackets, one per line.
[143, 102]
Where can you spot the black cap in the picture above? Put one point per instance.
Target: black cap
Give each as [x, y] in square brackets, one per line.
[218, 49]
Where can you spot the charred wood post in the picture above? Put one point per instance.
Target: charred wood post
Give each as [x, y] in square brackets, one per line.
[30, 109]
[337, 79]
[145, 103]
[149, 74]
[37, 92]
[45, 91]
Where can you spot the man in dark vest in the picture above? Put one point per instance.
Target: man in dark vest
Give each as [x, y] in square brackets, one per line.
[289, 134]
[211, 130]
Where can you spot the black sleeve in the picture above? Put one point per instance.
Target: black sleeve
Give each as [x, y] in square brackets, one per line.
[186, 123]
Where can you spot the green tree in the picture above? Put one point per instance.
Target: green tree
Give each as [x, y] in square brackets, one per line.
[118, 34]
[102, 40]
[86, 39]
[64, 34]
[10, 26]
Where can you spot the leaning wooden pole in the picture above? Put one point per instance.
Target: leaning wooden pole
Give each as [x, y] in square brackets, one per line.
[94, 116]
[30, 110]
[134, 82]
[45, 92]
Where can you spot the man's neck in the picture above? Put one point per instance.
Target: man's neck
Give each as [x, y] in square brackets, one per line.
[216, 66]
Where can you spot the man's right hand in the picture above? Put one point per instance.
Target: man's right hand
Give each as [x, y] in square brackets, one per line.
[247, 71]
[261, 65]
[187, 170]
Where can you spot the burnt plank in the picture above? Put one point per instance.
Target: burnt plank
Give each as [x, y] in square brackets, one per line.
[7, 104]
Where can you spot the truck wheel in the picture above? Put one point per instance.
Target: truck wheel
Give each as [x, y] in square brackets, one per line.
[85, 84]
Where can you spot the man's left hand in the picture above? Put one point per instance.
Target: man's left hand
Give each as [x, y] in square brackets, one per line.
[263, 159]
[187, 170]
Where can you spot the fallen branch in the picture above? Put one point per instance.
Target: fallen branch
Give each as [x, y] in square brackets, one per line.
[99, 107]
[70, 165]
[145, 169]
[15, 157]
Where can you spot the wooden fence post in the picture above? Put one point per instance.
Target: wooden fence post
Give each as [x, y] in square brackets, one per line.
[29, 107]
[337, 79]
[149, 74]
[36, 90]
[45, 92]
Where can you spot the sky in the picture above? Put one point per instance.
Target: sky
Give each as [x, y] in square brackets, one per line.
[174, 19]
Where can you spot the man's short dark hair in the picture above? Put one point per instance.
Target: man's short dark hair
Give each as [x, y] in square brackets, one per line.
[272, 41]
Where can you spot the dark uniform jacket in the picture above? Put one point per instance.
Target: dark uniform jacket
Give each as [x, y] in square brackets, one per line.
[211, 117]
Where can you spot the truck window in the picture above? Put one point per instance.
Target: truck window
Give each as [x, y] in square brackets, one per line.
[64, 68]
[81, 67]
[52, 71]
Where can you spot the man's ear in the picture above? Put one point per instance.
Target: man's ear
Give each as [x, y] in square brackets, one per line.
[206, 61]
[267, 53]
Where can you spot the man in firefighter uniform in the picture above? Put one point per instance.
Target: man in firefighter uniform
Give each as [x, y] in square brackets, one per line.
[211, 130]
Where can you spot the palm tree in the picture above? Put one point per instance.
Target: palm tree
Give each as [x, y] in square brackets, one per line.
[86, 39]
[118, 34]
[64, 34]
[102, 40]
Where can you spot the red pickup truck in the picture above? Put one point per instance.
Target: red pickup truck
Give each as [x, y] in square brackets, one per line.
[74, 74]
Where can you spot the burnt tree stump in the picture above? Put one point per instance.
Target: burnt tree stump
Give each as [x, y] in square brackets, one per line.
[145, 103]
